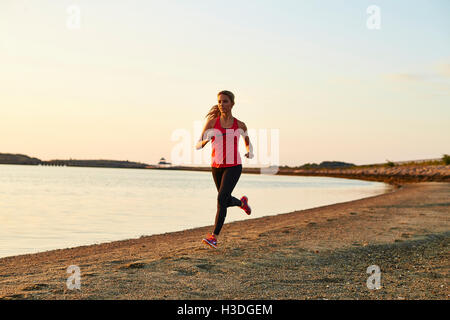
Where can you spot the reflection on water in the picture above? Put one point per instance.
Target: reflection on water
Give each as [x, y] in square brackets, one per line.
[44, 208]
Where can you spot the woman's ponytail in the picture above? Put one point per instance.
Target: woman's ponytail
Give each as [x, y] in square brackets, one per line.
[213, 113]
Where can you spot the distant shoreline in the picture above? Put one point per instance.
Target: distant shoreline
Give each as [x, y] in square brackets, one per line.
[394, 175]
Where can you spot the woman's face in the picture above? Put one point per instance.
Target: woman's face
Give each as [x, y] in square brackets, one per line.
[224, 103]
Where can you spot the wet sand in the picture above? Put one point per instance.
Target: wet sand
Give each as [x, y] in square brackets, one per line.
[318, 253]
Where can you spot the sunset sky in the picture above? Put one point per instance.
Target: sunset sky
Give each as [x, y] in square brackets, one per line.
[122, 81]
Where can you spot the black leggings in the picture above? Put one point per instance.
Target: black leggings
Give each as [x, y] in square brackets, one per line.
[225, 179]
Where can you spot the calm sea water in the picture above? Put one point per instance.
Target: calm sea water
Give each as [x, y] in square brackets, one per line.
[44, 208]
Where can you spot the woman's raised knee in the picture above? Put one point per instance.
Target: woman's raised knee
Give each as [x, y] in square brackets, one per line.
[222, 199]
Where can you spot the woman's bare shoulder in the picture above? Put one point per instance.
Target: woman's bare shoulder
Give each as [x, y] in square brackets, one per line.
[241, 124]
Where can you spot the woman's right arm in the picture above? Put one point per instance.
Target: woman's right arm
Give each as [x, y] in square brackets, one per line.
[204, 138]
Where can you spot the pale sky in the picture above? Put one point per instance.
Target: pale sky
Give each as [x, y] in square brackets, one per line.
[134, 72]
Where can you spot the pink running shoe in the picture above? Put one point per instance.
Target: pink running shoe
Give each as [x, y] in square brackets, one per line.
[210, 240]
[245, 205]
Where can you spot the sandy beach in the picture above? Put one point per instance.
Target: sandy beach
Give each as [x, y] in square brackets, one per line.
[318, 253]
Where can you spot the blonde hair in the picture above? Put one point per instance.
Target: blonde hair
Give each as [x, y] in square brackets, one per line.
[214, 112]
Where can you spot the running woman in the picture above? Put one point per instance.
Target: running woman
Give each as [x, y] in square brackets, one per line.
[224, 131]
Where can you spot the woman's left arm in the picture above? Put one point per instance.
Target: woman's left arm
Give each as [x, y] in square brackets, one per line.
[248, 144]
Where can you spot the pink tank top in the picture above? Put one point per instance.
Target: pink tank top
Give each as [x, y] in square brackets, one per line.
[225, 145]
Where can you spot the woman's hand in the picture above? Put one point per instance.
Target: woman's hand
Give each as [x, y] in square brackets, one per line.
[249, 155]
[202, 143]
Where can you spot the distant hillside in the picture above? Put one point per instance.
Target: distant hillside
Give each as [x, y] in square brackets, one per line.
[9, 158]
[327, 164]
